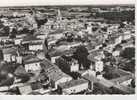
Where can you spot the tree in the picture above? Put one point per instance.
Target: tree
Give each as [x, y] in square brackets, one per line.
[75, 75]
[128, 53]
[81, 54]
[13, 33]
[1, 55]
[46, 43]
[40, 21]
[6, 78]
[6, 30]
[133, 83]
[110, 73]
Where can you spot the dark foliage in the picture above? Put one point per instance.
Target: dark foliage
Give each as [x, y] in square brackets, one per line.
[81, 54]
[40, 21]
[118, 16]
[13, 33]
[1, 55]
[133, 83]
[75, 75]
[48, 56]
[110, 73]
[128, 53]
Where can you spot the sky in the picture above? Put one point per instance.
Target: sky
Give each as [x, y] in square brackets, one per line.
[62, 2]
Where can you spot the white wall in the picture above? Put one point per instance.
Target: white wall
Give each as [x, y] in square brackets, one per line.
[32, 67]
[35, 47]
[7, 57]
[76, 89]
[74, 67]
[99, 66]
[62, 80]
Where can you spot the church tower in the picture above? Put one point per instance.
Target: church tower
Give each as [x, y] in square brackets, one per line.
[59, 16]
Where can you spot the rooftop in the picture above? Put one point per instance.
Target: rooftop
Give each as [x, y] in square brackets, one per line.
[52, 71]
[10, 51]
[72, 83]
[30, 59]
[30, 38]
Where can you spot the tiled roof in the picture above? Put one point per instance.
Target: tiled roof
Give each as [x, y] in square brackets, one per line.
[38, 43]
[30, 38]
[10, 51]
[72, 83]
[30, 59]
[20, 70]
[52, 71]
[121, 79]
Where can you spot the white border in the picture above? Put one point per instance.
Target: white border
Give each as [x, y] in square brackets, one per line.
[63, 2]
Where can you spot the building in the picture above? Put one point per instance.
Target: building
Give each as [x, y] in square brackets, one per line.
[99, 66]
[68, 64]
[10, 54]
[126, 35]
[116, 53]
[31, 39]
[29, 88]
[73, 86]
[31, 63]
[89, 29]
[35, 46]
[118, 40]
[17, 41]
[55, 75]
[40, 36]
[95, 57]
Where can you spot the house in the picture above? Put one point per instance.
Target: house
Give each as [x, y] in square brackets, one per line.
[96, 61]
[24, 90]
[116, 53]
[73, 86]
[53, 59]
[118, 40]
[55, 75]
[4, 38]
[55, 54]
[89, 30]
[30, 39]
[31, 63]
[126, 35]
[99, 66]
[35, 46]
[67, 63]
[89, 75]
[17, 41]
[97, 55]
[9, 54]
[41, 36]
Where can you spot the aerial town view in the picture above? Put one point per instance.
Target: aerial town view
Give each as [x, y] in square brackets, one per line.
[67, 50]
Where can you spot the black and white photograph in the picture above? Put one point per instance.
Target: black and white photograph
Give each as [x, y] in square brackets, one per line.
[67, 49]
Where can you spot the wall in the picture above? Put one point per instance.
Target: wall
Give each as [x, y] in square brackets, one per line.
[35, 47]
[32, 67]
[76, 89]
[62, 80]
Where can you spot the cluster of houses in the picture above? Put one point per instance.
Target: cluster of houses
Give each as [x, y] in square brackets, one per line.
[34, 73]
